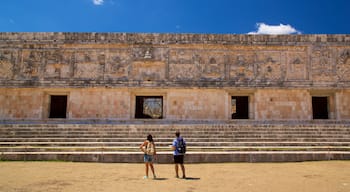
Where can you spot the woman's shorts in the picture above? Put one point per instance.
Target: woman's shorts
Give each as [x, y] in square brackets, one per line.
[147, 158]
[179, 159]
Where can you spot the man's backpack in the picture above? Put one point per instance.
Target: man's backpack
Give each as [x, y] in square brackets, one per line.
[181, 146]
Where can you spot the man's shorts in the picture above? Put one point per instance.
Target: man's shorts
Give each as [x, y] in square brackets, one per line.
[147, 158]
[179, 159]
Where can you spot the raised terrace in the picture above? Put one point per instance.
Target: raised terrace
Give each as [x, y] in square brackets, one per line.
[95, 96]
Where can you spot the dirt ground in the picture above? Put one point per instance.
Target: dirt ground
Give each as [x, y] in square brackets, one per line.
[327, 176]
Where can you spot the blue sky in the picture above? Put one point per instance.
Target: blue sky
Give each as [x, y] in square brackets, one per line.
[177, 16]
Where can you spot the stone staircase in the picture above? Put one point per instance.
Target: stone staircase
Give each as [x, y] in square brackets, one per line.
[231, 141]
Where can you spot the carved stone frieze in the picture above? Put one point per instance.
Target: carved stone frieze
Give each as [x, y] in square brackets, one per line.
[89, 64]
[183, 72]
[269, 66]
[184, 64]
[297, 66]
[322, 67]
[58, 64]
[7, 61]
[176, 60]
[148, 70]
[148, 52]
[118, 64]
[242, 65]
[31, 62]
[343, 65]
[211, 64]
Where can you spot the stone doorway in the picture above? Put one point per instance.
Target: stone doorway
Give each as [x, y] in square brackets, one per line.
[320, 107]
[149, 107]
[240, 107]
[58, 106]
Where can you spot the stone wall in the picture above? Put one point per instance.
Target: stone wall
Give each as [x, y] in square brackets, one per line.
[173, 60]
[283, 104]
[343, 98]
[178, 104]
[196, 74]
[21, 103]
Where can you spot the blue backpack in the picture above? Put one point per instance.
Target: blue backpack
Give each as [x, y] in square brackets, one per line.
[181, 146]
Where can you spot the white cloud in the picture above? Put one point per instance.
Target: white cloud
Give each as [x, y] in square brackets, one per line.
[97, 2]
[274, 29]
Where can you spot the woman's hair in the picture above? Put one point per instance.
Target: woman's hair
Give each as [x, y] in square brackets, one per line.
[150, 138]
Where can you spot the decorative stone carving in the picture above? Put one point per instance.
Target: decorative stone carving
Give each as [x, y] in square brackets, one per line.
[58, 64]
[88, 65]
[148, 54]
[242, 66]
[184, 64]
[322, 68]
[185, 56]
[269, 66]
[141, 53]
[211, 65]
[148, 70]
[296, 66]
[5, 64]
[32, 60]
[343, 65]
[118, 64]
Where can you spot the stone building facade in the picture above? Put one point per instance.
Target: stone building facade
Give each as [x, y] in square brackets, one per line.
[118, 76]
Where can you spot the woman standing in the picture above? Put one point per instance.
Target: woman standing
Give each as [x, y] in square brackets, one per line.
[149, 149]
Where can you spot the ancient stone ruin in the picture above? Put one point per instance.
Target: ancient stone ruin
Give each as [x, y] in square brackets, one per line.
[227, 91]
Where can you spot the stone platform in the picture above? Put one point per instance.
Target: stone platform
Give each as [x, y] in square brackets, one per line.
[208, 141]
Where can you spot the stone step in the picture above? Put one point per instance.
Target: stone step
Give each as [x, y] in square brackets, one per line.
[169, 128]
[219, 139]
[159, 149]
[191, 157]
[158, 131]
[194, 129]
[167, 143]
[140, 140]
[226, 134]
[232, 141]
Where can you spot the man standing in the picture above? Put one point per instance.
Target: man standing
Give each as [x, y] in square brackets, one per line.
[179, 148]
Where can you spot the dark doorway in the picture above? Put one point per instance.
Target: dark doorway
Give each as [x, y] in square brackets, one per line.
[240, 107]
[320, 107]
[149, 107]
[58, 106]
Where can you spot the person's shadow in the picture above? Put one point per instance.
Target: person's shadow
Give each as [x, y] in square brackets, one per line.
[187, 178]
[160, 179]
[192, 178]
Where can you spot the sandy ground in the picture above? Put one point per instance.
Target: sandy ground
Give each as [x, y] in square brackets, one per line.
[330, 176]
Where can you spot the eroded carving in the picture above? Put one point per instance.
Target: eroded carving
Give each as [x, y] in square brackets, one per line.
[269, 66]
[343, 65]
[32, 60]
[211, 65]
[322, 68]
[6, 59]
[58, 64]
[297, 66]
[118, 64]
[184, 64]
[148, 70]
[242, 66]
[89, 64]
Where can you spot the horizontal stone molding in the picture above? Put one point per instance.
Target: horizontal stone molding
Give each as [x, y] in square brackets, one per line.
[164, 38]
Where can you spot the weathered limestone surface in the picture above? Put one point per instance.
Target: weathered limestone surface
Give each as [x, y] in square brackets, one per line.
[101, 73]
[173, 60]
